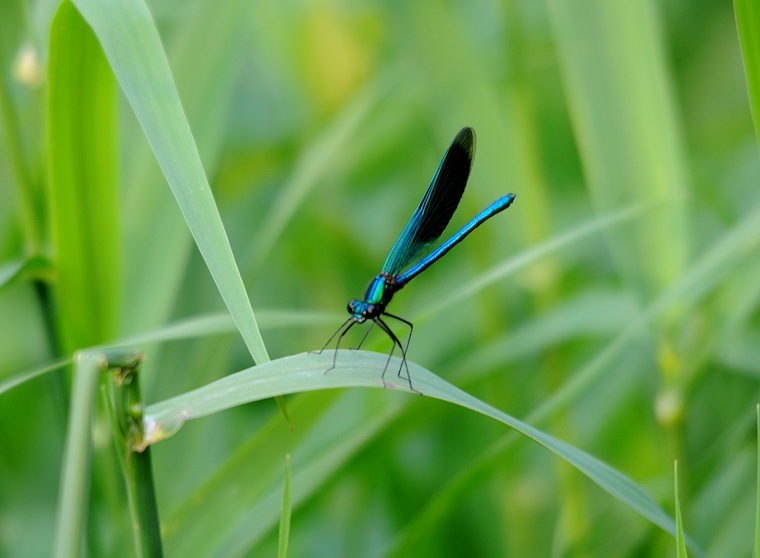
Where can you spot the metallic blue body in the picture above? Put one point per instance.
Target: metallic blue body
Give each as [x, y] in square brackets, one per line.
[496, 207]
[382, 288]
[411, 254]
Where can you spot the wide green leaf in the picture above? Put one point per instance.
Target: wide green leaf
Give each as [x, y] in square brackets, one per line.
[84, 190]
[306, 372]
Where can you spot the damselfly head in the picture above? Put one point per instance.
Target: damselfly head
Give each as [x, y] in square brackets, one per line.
[361, 310]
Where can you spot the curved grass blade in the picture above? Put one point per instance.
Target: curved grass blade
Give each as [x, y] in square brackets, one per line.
[206, 72]
[18, 379]
[132, 45]
[305, 372]
[199, 326]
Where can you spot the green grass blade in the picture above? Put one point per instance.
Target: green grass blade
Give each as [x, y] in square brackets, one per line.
[757, 495]
[305, 372]
[748, 23]
[680, 539]
[133, 47]
[83, 183]
[284, 537]
[622, 106]
[204, 56]
[197, 327]
[18, 379]
[75, 474]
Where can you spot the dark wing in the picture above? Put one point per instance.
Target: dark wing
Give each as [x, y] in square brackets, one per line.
[437, 206]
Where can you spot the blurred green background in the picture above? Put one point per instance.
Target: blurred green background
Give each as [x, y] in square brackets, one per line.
[625, 319]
